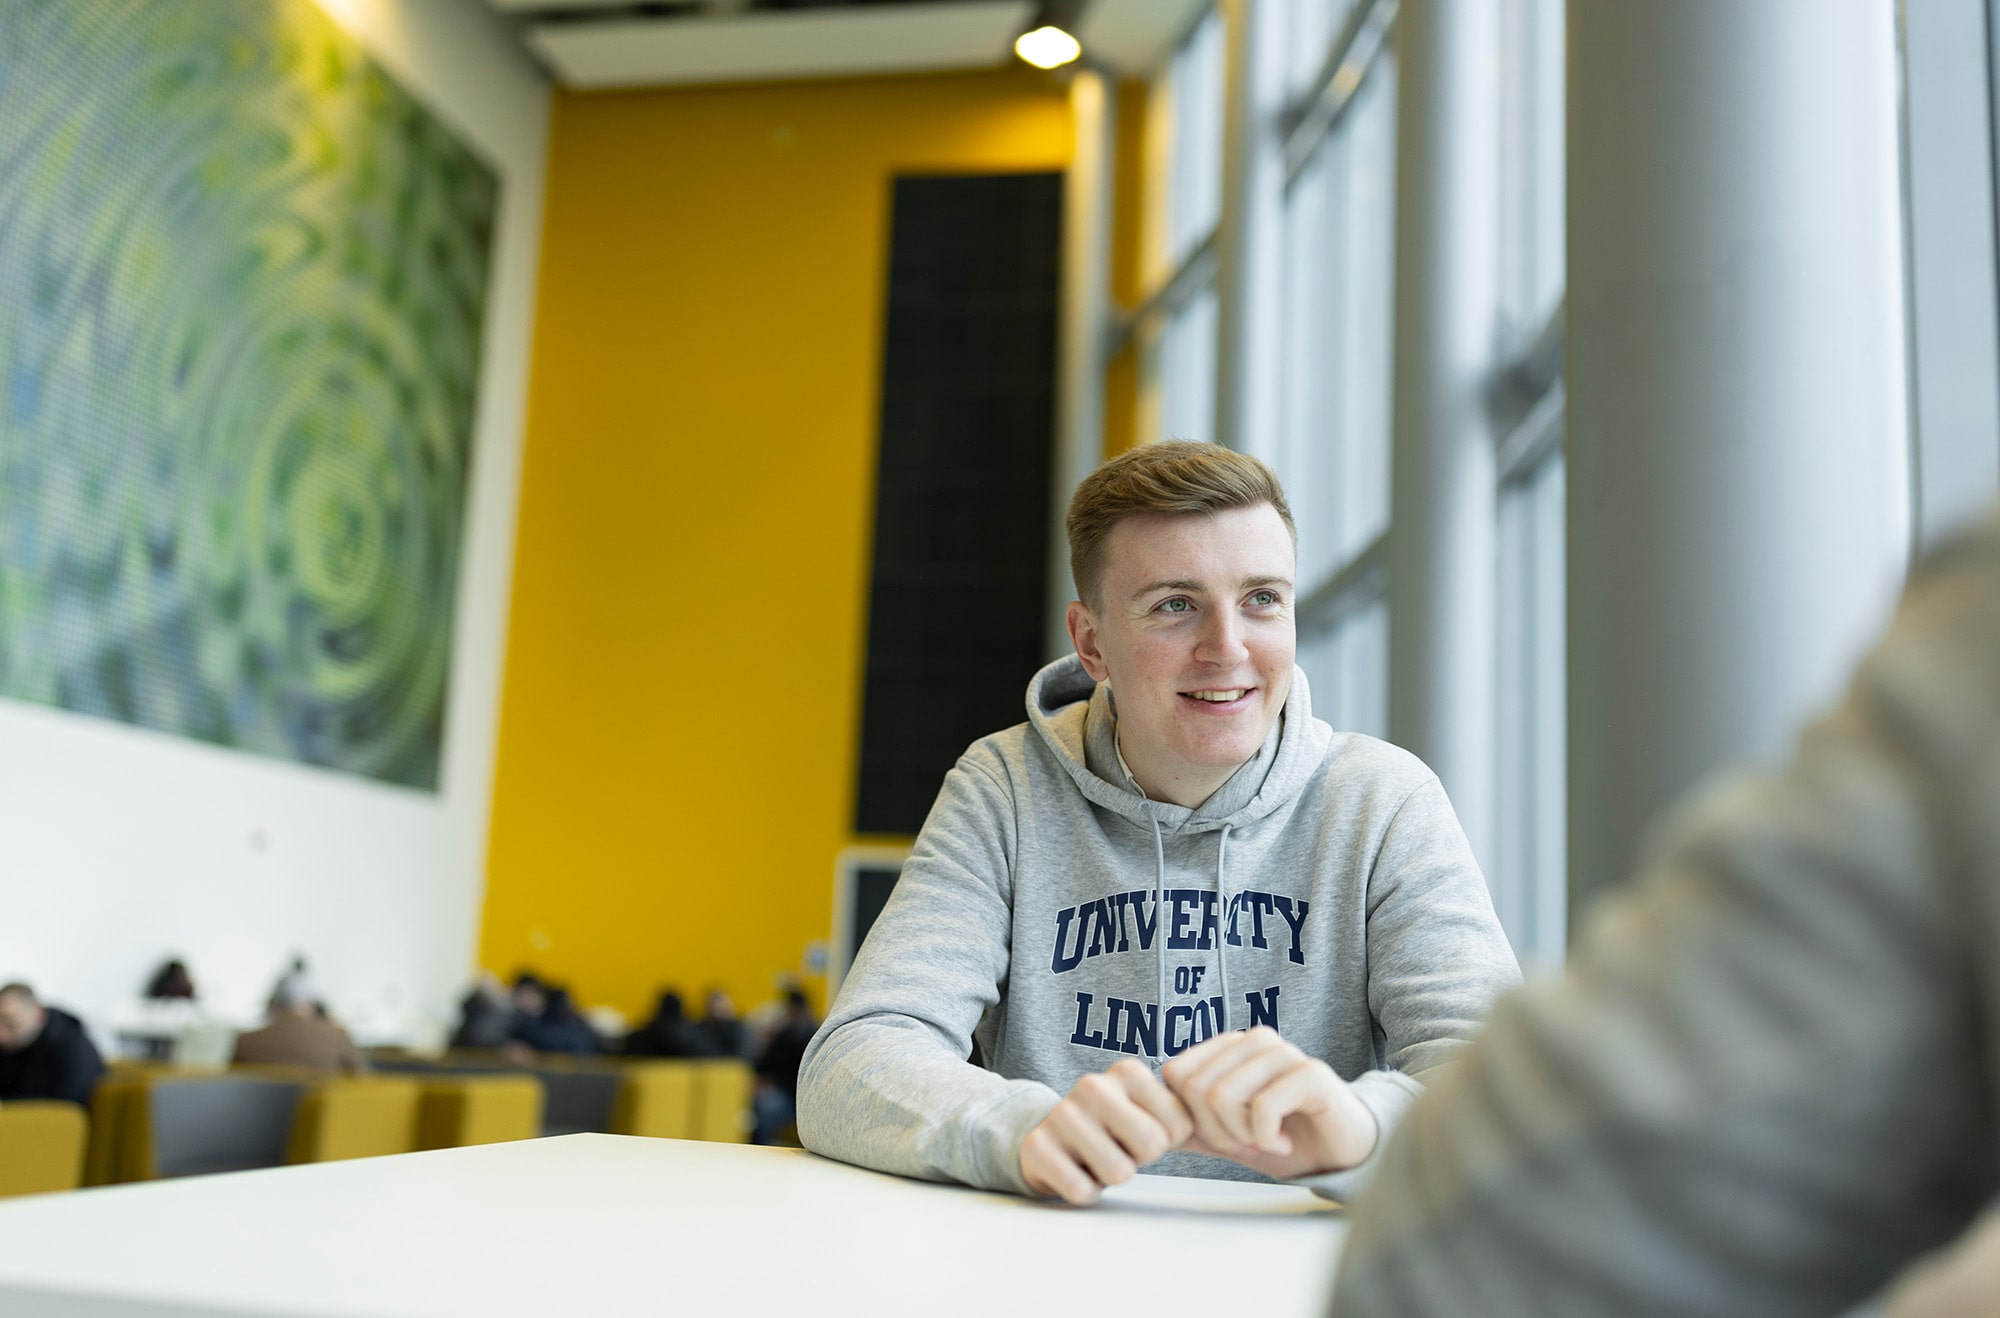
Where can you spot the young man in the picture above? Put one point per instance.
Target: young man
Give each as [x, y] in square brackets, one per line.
[1190, 926]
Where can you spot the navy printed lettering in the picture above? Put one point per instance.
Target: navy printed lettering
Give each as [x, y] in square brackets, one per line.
[1263, 1007]
[1186, 901]
[1207, 921]
[1146, 926]
[1103, 938]
[1092, 1040]
[1142, 1033]
[1259, 902]
[1184, 1015]
[1295, 921]
[1062, 962]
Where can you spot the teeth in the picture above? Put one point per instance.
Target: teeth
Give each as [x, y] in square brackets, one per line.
[1219, 697]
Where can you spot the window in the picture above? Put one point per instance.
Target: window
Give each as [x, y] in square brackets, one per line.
[1186, 366]
[1336, 375]
[1176, 327]
[1347, 664]
[1193, 115]
[1530, 885]
[1531, 164]
[1529, 868]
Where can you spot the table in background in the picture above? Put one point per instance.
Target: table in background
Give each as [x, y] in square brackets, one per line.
[609, 1224]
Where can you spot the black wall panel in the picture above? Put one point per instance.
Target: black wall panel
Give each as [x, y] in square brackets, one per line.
[962, 481]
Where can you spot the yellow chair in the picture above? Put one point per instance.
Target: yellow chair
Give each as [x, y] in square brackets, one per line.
[478, 1109]
[656, 1099]
[356, 1117]
[722, 1100]
[41, 1146]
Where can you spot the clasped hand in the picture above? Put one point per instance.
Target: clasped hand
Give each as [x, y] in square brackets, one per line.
[1248, 1096]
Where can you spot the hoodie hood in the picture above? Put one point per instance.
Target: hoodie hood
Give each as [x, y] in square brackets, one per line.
[1075, 717]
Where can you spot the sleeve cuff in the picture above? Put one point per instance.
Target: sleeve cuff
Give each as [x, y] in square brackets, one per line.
[999, 1133]
[1388, 1095]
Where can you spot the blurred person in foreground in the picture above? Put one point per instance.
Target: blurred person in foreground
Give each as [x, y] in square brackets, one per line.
[297, 1033]
[1768, 1080]
[1185, 923]
[44, 1052]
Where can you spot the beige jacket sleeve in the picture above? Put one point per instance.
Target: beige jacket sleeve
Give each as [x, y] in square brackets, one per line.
[1766, 1081]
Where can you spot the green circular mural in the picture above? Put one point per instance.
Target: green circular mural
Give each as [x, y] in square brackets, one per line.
[242, 279]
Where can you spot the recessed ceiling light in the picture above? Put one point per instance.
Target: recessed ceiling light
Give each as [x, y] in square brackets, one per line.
[1047, 47]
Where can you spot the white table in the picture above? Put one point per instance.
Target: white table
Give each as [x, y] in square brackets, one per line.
[610, 1224]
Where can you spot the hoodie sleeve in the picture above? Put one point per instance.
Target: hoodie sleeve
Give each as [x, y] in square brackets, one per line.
[1765, 1080]
[1437, 961]
[885, 1082]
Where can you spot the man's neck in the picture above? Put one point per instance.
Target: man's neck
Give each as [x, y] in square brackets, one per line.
[1188, 792]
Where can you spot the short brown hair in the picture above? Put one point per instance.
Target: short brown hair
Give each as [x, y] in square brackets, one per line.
[1175, 478]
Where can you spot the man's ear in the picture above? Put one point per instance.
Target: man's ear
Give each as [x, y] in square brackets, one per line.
[1083, 635]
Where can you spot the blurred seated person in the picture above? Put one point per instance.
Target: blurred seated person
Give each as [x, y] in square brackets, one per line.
[669, 1034]
[546, 1021]
[298, 1033]
[1767, 1081]
[166, 1010]
[721, 1027]
[171, 982]
[44, 1052]
[485, 1017]
[776, 1100]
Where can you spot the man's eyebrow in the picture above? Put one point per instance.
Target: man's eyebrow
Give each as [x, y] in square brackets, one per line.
[1193, 587]
[1196, 587]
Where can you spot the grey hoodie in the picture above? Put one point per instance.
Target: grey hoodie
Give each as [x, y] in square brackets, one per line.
[1054, 913]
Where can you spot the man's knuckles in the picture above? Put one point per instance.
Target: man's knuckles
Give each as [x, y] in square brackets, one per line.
[1096, 1089]
[1131, 1072]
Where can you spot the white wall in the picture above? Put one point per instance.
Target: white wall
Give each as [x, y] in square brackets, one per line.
[120, 847]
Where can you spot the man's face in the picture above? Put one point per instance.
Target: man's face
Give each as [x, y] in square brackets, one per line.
[20, 1022]
[1195, 633]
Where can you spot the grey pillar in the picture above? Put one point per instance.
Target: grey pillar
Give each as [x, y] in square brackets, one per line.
[1083, 320]
[1250, 239]
[1442, 532]
[1737, 461]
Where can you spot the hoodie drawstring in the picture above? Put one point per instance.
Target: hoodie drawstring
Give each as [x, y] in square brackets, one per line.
[1222, 926]
[1160, 931]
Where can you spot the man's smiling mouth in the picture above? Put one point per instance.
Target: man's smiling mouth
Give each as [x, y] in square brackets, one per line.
[1219, 697]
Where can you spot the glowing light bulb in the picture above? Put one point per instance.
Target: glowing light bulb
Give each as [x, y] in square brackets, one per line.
[1047, 47]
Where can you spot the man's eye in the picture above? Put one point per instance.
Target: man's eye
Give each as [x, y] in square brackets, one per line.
[1264, 598]
[1174, 605]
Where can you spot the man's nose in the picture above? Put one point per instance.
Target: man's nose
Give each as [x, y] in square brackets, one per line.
[1222, 639]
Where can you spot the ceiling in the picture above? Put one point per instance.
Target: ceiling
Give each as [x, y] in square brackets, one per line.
[604, 44]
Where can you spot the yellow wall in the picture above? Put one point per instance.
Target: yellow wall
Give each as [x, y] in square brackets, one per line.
[680, 715]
